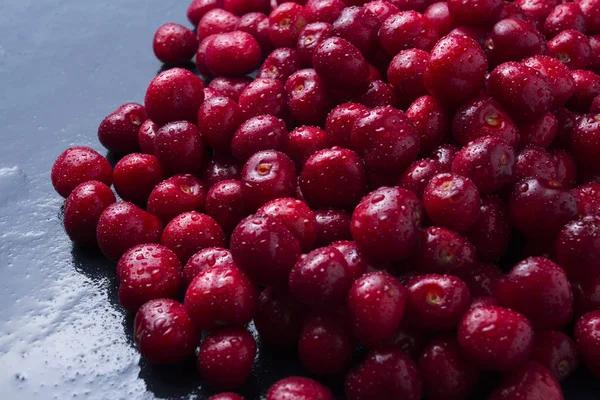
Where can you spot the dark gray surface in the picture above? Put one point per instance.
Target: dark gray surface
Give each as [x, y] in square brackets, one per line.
[64, 65]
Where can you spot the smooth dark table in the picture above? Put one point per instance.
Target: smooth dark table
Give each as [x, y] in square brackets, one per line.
[64, 65]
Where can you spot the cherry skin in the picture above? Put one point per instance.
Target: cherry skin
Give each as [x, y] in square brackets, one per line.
[304, 141]
[540, 290]
[405, 74]
[540, 132]
[308, 99]
[482, 281]
[584, 142]
[325, 346]
[587, 87]
[340, 63]
[357, 263]
[387, 140]
[146, 135]
[136, 175]
[280, 64]
[285, 24]
[456, 69]
[221, 295]
[332, 225]
[176, 195]
[513, 40]
[298, 388]
[483, 116]
[532, 379]
[225, 203]
[557, 352]
[376, 303]
[578, 246]
[310, 38]
[179, 147]
[563, 17]
[439, 14]
[221, 167]
[442, 251]
[452, 201]
[264, 97]
[279, 318]
[436, 302]
[230, 87]
[323, 10]
[174, 95]
[495, 338]
[523, 91]
[445, 372]
[226, 396]
[572, 48]
[218, 119]
[122, 225]
[118, 132]
[216, 21]
[296, 216]
[359, 26]
[488, 161]
[191, 232]
[340, 121]
[242, 7]
[386, 373]
[382, 9]
[82, 211]
[407, 30]
[492, 230]
[78, 165]
[416, 177]
[264, 132]
[266, 176]
[321, 278]
[174, 44]
[333, 178]
[586, 336]
[265, 249]
[164, 333]
[198, 8]
[147, 272]
[201, 60]
[225, 358]
[205, 259]
[558, 76]
[588, 199]
[479, 13]
[385, 224]
[256, 24]
[540, 208]
[432, 122]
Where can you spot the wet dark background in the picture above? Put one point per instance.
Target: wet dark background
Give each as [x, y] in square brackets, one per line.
[64, 65]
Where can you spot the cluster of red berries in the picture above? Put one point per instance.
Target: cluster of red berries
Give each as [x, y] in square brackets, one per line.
[360, 191]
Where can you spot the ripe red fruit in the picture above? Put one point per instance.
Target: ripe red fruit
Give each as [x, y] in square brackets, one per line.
[405, 74]
[445, 372]
[385, 373]
[146, 135]
[266, 176]
[385, 225]
[118, 132]
[439, 14]
[265, 249]
[296, 216]
[432, 121]
[558, 76]
[191, 232]
[495, 338]
[455, 70]
[578, 247]
[256, 24]
[233, 54]
[436, 302]
[164, 333]
[564, 17]
[298, 388]
[407, 30]
[285, 24]
[333, 178]
[340, 63]
[225, 358]
[221, 295]
[521, 90]
[179, 147]
[230, 87]
[304, 141]
[492, 231]
[174, 95]
[241, 7]
[416, 177]
[136, 175]
[280, 64]
[310, 38]
[174, 44]
[332, 225]
[218, 119]
[441, 251]
[572, 48]
[360, 27]
[513, 40]
[221, 167]
[122, 225]
[540, 290]
[540, 132]
[588, 199]
[83, 208]
[357, 263]
[78, 165]
[147, 272]
[307, 97]
[584, 142]
[340, 121]
[452, 201]
[321, 278]
[323, 10]
[557, 352]
[264, 96]
[225, 203]
[176, 195]
[587, 338]
[226, 396]
[216, 21]
[475, 12]
[263, 132]
[325, 346]
[587, 87]
[532, 380]
[387, 140]
[376, 303]
[540, 208]
[488, 161]
[198, 8]
[205, 259]
[482, 281]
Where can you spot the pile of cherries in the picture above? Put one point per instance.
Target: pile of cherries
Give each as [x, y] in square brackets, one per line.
[419, 181]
